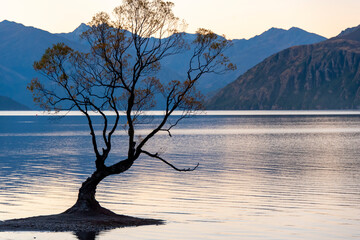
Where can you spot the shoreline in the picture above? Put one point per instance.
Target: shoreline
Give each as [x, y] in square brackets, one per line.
[331, 112]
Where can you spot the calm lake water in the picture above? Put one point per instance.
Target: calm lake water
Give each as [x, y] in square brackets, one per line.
[260, 177]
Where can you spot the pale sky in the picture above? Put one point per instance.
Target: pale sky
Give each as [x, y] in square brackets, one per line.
[235, 18]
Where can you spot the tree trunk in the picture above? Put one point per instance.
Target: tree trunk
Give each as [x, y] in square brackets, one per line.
[86, 202]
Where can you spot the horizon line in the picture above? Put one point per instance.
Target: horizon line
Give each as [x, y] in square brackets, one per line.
[40, 113]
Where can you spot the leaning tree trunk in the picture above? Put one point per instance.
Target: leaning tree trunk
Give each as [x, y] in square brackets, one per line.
[86, 202]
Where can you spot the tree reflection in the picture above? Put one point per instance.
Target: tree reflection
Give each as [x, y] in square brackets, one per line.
[86, 235]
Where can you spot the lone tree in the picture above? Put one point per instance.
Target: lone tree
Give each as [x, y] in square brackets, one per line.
[118, 75]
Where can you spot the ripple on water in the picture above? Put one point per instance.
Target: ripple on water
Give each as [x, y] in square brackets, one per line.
[262, 178]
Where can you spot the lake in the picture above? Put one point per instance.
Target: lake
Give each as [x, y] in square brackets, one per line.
[291, 175]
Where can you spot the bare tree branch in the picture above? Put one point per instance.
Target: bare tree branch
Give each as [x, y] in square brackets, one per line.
[156, 155]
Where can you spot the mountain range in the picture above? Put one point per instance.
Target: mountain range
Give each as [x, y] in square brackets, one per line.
[20, 46]
[323, 75]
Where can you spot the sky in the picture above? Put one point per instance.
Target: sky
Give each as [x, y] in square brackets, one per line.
[236, 19]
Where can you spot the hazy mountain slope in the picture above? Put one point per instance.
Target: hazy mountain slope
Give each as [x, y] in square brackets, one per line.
[325, 75]
[9, 104]
[20, 46]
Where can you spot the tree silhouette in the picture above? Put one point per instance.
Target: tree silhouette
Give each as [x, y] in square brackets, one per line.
[119, 74]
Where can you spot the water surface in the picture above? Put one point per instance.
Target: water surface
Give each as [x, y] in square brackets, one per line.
[260, 177]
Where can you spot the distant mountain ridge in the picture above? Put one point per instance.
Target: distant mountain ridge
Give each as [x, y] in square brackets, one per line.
[324, 75]
[247, 53]
[20, 46]
[350, 34]
[348, 31]
[75, 35]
